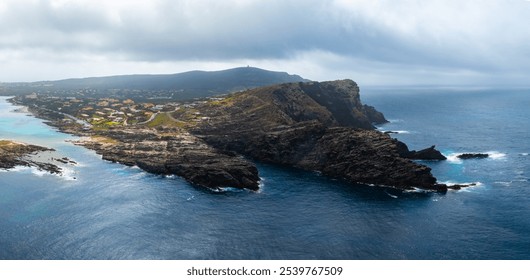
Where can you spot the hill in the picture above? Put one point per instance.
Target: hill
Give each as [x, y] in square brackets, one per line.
[181, 86]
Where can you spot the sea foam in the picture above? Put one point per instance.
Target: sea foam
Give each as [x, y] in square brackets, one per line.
[471, 185]
[496, 155]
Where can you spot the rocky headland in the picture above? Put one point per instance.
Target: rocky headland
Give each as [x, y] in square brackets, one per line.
[309, 125]
[13, 154]
[314, 126]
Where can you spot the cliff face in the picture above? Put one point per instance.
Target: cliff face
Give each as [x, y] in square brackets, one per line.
[329, 104]
[314, 126]
[342, 100]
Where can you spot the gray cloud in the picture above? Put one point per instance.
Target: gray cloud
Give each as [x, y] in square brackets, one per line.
[409, 36]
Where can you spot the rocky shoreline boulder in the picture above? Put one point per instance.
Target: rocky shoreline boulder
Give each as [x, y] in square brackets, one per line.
[472, 156]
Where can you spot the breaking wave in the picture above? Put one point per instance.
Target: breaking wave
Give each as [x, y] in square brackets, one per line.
[492, 155]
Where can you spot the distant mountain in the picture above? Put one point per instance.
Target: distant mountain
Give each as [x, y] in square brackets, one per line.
[172, 86]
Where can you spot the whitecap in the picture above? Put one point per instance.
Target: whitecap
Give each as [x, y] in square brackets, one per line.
[470, 185]
[492, 155]
[396, 131]
[524, 154]
[452, 183]
[38, 172]
[261, 185]
[228, 189]
[496, 155]
[16, 169]
[521, 180]
[391, 195]
[503, 183]
[68, 174]
[418, 190]
[453, 158]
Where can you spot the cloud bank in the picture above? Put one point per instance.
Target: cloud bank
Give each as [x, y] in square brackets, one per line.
[381, 42]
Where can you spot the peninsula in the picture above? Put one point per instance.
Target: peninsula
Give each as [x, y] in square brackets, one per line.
[213, 142]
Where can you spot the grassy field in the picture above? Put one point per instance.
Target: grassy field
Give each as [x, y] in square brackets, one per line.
[163, 119]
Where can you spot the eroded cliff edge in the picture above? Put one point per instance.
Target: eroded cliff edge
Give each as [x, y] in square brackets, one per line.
[314, 126]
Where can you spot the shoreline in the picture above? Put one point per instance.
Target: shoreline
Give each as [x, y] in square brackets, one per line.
[209, 146]
[15, 153]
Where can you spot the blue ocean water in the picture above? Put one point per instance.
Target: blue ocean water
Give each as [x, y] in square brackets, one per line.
[114, 212]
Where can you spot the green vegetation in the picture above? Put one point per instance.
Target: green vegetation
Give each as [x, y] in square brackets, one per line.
[104, 125]
[227, 101]
[164, 119]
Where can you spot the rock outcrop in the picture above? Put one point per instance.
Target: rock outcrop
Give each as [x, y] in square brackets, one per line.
[14, 154]
[313, 126]
[179, 154]
[472, 156]
[426, 154]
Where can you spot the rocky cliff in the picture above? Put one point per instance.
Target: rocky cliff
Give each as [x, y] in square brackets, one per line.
[314, 126]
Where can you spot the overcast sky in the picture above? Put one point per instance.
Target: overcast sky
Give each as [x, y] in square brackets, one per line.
[386, 42]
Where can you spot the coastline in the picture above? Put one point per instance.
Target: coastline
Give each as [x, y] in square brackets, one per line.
[14, 153]
[212, 144]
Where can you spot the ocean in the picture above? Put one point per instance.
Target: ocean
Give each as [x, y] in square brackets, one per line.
[102, 210]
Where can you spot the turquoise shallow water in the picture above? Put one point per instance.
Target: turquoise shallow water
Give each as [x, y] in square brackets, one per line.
[114, 212]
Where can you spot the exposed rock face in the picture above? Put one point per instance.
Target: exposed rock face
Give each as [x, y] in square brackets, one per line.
[181, 154]
[14, 154]
[426, 154]
[342, 100]
[314, 126]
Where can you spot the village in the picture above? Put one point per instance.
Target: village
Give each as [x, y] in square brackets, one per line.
[103, 113]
